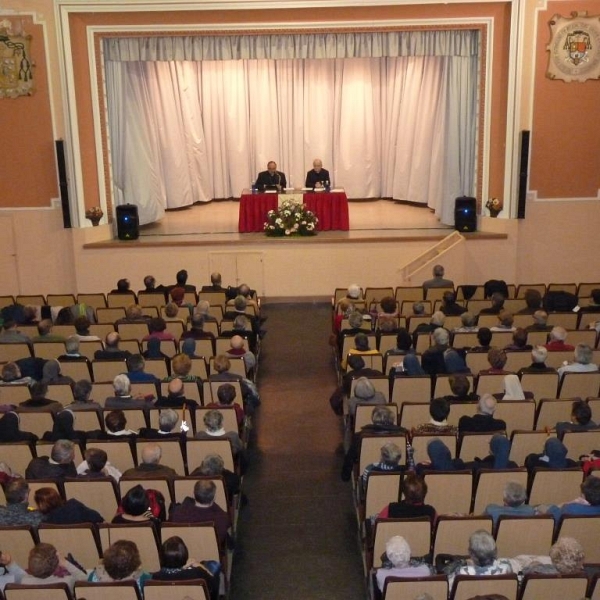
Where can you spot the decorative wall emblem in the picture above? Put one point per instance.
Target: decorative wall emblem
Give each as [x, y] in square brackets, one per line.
[574, 47]
[15, 62]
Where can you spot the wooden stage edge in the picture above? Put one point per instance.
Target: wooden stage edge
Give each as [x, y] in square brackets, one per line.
[255, 239]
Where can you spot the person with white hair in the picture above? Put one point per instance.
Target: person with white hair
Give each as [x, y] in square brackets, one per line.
[150, 466]
[583, 355]
[317, 177]
[389, 461]
[483, 558]
[364, 393]
[438, 281]
[484, 420]
[398, 562]
[514, 504]
[433, 360]
[539, 355]
[123, 398]
[352, 297]
[556, 340]
[540, 322]
[566, 557]
[438, 318]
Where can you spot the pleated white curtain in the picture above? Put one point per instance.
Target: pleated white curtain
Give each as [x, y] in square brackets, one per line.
[185, 131]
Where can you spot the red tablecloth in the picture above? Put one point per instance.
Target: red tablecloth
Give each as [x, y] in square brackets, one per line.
[331, 209]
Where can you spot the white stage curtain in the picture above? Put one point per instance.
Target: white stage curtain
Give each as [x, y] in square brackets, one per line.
[401, 126]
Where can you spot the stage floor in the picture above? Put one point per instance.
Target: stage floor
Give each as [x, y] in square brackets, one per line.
[218, 221]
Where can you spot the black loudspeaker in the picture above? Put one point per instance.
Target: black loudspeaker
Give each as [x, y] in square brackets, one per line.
[523, 173]
[128, 223]
[63, 185]
[465, 214]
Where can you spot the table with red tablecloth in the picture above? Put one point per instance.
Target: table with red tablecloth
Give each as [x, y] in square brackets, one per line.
[331, 209]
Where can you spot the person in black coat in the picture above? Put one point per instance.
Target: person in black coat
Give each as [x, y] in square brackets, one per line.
[271, 178]
[10, 432]
[484, 420]
[60, 512]
[317, 177]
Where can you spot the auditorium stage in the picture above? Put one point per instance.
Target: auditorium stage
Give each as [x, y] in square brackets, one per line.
[216, 223]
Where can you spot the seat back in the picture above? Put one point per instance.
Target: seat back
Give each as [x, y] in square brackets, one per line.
[22, 539]
[452, 533]
[100, 494]
[14, 351]
[107, 370]
[468, 586]
[48, 350]
[524, 535]
[555, 486]
[93, 300]
[476, 361]
[110, 315]
[143, 534]
[490, 383]
[516, 360]
[413, 414]
[81, 540]
[192, 589]
[474, 445]
[133, 331]
[523, 443]
[18, 455]
[553, 411]
[584, 529]
[156, 299]
[417, 532]
[518, 414]
[399, 588]
[76, 369]
[537, 586]
[541, 385]
[579, 385]
[490, 486]
[61, 392]
[409, 294]
[53, 591]
[411, 389]
[376, 294]
[438, 484]
[36, 422]
[581, 442]
[123, 590]
[382, 488]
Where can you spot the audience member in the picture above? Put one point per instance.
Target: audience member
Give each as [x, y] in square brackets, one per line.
[72, 353]
[497, 359]
[553, 457]
[484, 337]
[111, 348]
[11, 335]
[10, 431]
[201, 509]
[439, 409]
[135, 370]
[581, 419]
[519, 341]
[513, 390]
[498, 457]
[484, 420]
[56, 466]
[587, 504]
[389, 461]
[440, 458]
[11, 375]
[213, 465]
[361, 346]
[505, 322]
[63, 428]
[438, 281]
[412, 505]
[539, 354]
[468, 323]
[357, 369]
[398, 562]
[63, 512]
[237, 349]
[46, 566]
[449, 305]
[497, 305]
[96, 464]
[181, 368]
[533, 300]
[213, 423]
[540, 322]
[141, 506]
[583, 361]
[45, 334]
[433, 359]
[121, 562]
[116, 426]
[16, 511]
[150, 466]
[460, 385]
[157, 328]
[81, 397]
[38, 401]
[566, 557]
[123, 398]
[514, 503]
[437, 321]
[226, 395]
[176, 565]
[556, 340]
[175, 397]
[364, 393]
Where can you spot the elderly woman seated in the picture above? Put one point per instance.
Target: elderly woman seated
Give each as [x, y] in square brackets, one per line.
[364, 393]
[45, 566]
[397, 562]
[566, 557]
[483, 558]
[389, 461]
[121, 562]
[412, 505]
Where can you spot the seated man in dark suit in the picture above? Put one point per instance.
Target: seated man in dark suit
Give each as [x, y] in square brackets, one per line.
[271, 178]
[317, 177]
[56, 466]
[216, 284]
[111, 348]
[484, 420]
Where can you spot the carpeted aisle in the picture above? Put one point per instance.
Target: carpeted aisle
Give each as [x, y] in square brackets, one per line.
[297, 537]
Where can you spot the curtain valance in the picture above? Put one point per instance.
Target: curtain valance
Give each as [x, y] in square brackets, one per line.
[293, 46]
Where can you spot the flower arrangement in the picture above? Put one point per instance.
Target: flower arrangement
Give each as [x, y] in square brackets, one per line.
[495, 206]
[94, 215]
[291, 219]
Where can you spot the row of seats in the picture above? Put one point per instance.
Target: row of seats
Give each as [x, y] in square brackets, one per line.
[468, 292]
[123, 454]
[533, 587]
[90, 420]
[518, 414]
[421, 388]
[86, 541]
[124, 590]
[471, 492]
[473, 445]
[112, 299]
